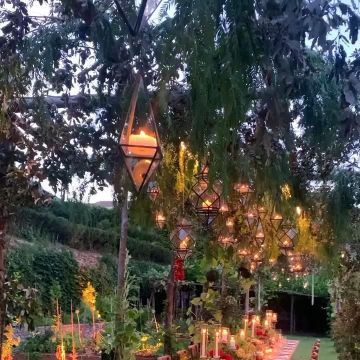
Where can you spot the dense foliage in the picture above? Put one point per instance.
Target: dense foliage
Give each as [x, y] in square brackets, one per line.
[53, 273]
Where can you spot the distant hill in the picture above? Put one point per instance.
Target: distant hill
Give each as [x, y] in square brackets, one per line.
[104, 204]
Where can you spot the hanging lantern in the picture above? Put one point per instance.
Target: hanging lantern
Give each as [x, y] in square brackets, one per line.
[230, 224]
[226, 240]
[245, 192]
[224, 207]
[251, 219]
[261, 212]
[259, 235]
[160, 219]
[207, 201]
[153, 190]
[276, 220]
[181, 238]
[139, 140]
[297, 263]
[287, 239]
[244, 252]
[256, 260]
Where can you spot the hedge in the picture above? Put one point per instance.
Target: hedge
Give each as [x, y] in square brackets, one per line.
[80, 236]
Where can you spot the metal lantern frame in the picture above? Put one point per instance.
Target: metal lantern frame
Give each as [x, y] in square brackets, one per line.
[261, 212]
[182, 233]
[276, 219]
[259, 236]
[286, 240]
[245, 190]
[207, 201]
[251, 219]
[141, 159]
[153, 190]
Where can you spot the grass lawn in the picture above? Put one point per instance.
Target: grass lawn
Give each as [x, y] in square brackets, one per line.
[327, 350]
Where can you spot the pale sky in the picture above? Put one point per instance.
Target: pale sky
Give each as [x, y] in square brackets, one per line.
[107, 193]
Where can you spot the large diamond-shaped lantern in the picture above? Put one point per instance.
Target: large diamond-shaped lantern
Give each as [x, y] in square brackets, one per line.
[182, 241]
[207, 201]
[139, 140]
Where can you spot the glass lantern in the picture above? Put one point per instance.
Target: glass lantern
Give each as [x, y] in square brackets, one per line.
[139, 140]
[206, 200]
[182, 241]
[287, 239]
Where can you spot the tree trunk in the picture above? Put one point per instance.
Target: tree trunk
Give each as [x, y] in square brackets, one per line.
[259, 295]
[2, 280]
[247, 300]
[123, 243]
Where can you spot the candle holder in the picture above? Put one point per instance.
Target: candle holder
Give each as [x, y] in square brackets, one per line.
[139, 140]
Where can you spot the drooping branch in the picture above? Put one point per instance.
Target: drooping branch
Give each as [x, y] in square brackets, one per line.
[132, 30]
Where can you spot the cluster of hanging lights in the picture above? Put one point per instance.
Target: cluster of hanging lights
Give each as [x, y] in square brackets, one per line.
[141, 149]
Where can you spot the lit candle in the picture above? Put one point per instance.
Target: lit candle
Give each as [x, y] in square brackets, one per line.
[230, 222]
[253, 322]
[266, 324]
[224, 335]
[142, 145]
[206, 204]
[217, 339]
[242, 334]
[232, 342]
[184, 244]
[257, 318]
[246, 320]
[203, 343]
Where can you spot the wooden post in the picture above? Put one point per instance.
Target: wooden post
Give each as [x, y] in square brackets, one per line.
[123, 243]
[292, 320]
[259, 295]
[247, 300]
[2, 279]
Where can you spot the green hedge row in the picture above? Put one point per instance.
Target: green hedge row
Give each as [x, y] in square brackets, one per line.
[52, 272]
[80, 236]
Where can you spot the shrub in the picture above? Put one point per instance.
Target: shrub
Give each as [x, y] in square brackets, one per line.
[44, 268]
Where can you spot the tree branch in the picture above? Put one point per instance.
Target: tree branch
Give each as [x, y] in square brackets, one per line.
[133, 31]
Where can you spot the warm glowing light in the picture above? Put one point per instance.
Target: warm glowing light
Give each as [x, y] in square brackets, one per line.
[182, 146]
[142, 145]
[230, 222]
[242, 334]
[298, 210]
[206, 204]
[184, 244]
